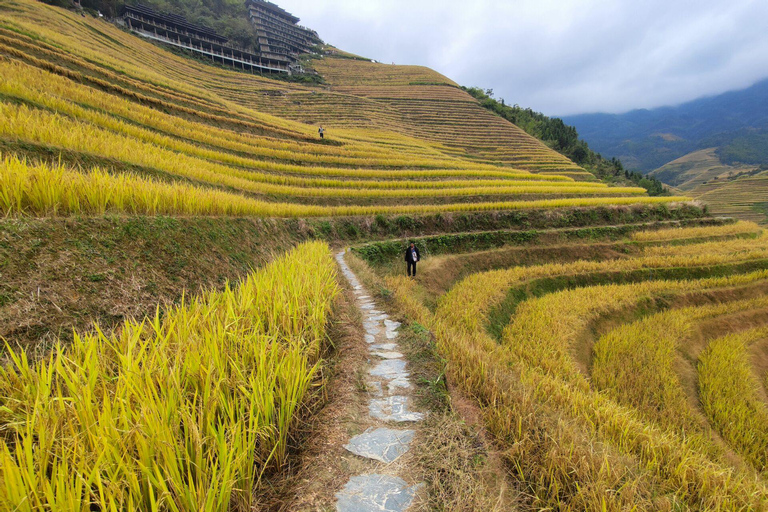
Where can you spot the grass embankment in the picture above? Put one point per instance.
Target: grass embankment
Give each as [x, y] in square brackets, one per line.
[64, 273]
[386, 253]
[567, 443]
[181, 411]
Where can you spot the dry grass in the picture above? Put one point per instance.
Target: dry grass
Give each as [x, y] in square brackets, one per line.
[453, 459]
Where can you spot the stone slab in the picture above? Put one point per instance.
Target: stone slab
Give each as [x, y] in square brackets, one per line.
[376, 493]
[391, 329]
[395, 384]
[382, 444]
[388, 355]
[390, 369]
[393, 408]
[391, 324]
[384, 346]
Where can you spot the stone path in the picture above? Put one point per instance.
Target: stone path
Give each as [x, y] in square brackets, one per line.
[390, 411]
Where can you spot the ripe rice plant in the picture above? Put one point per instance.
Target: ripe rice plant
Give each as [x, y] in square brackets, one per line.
[53, 190]
[542, 340]
[67, 45]
[182, 411]
[730, 394]
[45, 190]
[737, 228]
[25, 123]
[564, 440]
[24, 82]
[564, 467]
[635, 363]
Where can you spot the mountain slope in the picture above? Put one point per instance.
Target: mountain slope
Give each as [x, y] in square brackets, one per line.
[735, 190]
[744, 197]
[647, 139]
[699, 167]
[401, 140]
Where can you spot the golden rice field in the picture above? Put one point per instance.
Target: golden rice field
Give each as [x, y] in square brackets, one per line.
[745, 197]
[619, 356]
[630, 376]
[186, 410]
[87, 102]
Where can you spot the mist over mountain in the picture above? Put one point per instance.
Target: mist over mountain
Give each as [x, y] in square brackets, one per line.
[736, 123]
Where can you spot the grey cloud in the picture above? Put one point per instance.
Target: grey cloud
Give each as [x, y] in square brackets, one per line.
[561, 57]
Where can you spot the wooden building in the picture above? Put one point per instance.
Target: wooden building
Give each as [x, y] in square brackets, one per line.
[177, 31]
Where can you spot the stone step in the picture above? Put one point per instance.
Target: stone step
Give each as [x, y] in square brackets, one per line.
[376, 493]
[393, 408]
[382, 444]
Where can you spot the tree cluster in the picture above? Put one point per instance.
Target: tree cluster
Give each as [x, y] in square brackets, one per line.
[565, 140]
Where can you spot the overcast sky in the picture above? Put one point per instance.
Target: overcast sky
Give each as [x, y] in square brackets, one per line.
[560, 57]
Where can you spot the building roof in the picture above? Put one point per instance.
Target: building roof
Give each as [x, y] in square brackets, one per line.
[274, 8]
[173, 19]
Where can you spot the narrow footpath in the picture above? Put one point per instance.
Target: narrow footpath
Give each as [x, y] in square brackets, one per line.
[391, 415]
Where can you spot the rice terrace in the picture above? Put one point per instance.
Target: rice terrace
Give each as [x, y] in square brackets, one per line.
[204, 301]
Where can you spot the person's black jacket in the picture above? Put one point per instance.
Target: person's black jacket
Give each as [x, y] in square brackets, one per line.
[408, 253]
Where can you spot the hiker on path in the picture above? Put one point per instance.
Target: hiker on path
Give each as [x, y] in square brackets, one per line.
[411, 257]
[321, 131]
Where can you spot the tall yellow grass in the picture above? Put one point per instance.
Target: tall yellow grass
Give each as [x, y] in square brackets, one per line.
[567, 443]
[635, 363]
[50, 190]
[182, 411]
[730, 394]
[168, 155]
[737, 228]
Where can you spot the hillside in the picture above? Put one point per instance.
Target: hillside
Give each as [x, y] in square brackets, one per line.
[254, 162]
[734, 122]
[742, 196]
[697, 168]
[734, 190]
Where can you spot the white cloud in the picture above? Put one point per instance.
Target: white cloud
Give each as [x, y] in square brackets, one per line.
[561, 56]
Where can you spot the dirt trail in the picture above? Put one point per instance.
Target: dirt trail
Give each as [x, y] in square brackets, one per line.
[392, 421]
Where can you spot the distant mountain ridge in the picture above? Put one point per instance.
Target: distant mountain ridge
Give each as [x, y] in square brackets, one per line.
[735, 122]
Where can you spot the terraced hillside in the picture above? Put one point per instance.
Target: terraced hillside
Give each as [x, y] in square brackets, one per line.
[734, 190]
[171, 315]
[80, 89]
[697, 168]
[627, 372]
[744, 197]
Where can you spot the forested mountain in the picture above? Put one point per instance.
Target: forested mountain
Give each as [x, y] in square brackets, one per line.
[565, 139]
[735, 123]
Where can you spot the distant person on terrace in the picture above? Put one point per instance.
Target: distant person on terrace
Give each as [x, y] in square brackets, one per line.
[411, 257]
[321, 131]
